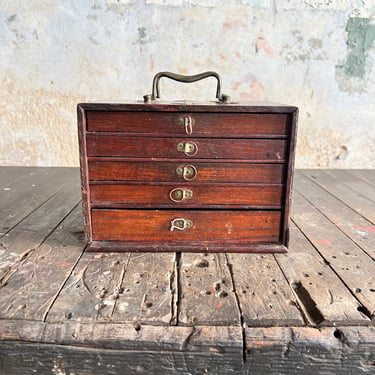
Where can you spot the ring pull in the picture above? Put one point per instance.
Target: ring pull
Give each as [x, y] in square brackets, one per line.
[180, 194]
[180, 224]
[188, 172]
[187, 122]
[188, 148]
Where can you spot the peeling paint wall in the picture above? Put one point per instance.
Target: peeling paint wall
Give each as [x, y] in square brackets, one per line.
[316, 54]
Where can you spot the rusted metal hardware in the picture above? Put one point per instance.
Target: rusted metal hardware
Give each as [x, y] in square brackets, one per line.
[188, 148]
[187, 122]
[188, 172]
[180, 194]
[180, 224]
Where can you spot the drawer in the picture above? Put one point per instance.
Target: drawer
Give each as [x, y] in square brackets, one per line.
[185, 225]
[101, 144]
[161, 195]
[197, 124]
[198, 171]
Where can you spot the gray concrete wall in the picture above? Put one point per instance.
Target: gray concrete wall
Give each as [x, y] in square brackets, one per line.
[316, 54]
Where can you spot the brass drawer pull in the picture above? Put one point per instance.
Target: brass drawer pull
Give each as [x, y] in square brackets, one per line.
[188, 148]
[188, 172]
[188, 123]
[180, 224]
[180, 194]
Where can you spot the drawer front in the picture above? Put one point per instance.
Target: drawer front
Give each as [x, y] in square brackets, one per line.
[149, 171]
[181, 225]
[272, 150]
[196, 124]
[261, 196]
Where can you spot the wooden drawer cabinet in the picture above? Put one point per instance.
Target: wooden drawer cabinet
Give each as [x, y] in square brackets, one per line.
[186, 177]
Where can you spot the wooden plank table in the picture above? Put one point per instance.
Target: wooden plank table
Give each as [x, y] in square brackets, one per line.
[64, 311]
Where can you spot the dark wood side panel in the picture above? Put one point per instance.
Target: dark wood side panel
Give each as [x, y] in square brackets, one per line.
[82, 141]
[148, 171]
[101, 144]
[203, 124]
[155, 225]
[289, 176]
[203, 195]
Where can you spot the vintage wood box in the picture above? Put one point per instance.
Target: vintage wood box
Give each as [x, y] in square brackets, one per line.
[182, 176]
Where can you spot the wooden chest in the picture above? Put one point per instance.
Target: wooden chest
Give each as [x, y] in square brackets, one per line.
[186, 176]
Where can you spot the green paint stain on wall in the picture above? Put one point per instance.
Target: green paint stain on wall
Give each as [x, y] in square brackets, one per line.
[142, 32]
[361, 37]
[12, 18]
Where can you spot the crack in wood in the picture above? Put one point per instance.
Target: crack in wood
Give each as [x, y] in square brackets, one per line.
[242, 320]
[308, 304]
[15, 266]
[361, 308]
[175, 287]
[187, 339]
[294, 303]
[289, 342]
[118, 288]
[54, 297]
[365, 311]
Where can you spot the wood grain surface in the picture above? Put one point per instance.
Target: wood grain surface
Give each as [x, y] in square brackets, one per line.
[155, 225]
[164, 171]
[203, 124]
[68, 311]
[262, 150]
[173, 195]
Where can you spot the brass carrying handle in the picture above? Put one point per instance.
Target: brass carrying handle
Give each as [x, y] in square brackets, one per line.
[185, 79]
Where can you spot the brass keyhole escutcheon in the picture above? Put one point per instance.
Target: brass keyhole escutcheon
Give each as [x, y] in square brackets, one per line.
[188, 148]
[180, 224]
[187, 122]
[188, 172]
[180, 194]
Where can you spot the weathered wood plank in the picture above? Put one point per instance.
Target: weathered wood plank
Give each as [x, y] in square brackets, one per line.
[367, 175]
[122, 336]
[30, 291]
[303, 350]
[355, 268]
[205, 295]
[27, 235]
[119, 349]
[88, 294]
[148, 291]
[354, 225]
[29, 192]
[126, 287]
[8, 175]
[353, 183]
[264, 295]
[354, 200]
[322, 296]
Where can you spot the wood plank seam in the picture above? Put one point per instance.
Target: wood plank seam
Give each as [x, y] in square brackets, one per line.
[298, 302]
[342, 201]
[357, 174]
[366, 188]
[35, 209]
[175, 288]
[362, 308]
[53, 299]
[328, 218]
[242, 320]
[13, 174]
[25, 255]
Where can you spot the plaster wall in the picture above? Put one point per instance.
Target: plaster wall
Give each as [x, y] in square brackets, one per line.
[316, 54]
